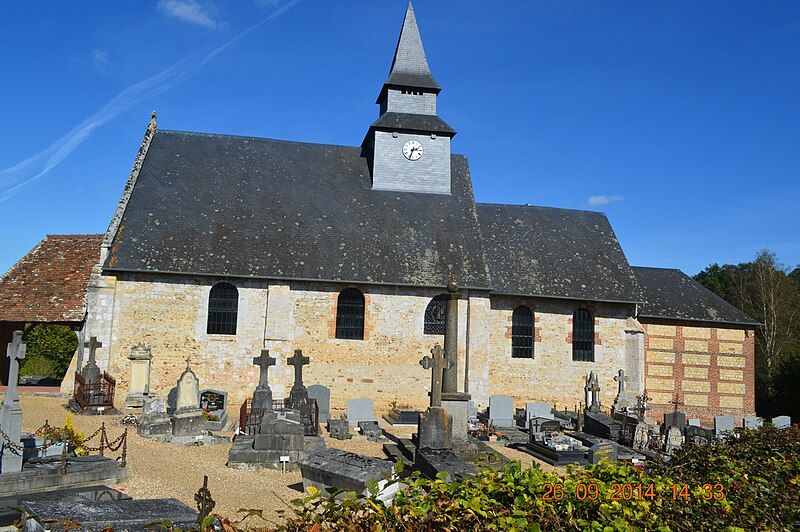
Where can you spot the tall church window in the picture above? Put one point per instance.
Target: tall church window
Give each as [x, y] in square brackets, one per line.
[350, 315]
[522, 332]
[583, 336]
[223, 307]
[436, 315]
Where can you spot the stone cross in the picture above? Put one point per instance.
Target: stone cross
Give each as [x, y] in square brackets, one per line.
[641, 406]
[264, 362]
[592, 390]
[298, 394]
[676, 402]
[436, 364]
[450, 374]
[91, 372]
[16, 352]
[11, 411]
[622, 380]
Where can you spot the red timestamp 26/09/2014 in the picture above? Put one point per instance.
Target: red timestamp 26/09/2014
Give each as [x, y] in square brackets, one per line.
[631, 492]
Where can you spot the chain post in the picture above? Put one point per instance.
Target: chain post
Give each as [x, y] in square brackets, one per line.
[102, 437]
[64, 458]
[125, 448]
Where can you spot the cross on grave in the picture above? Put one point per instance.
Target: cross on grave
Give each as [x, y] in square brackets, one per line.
[298, 393]
[622, 380]
[16, 352]
[641, 406]
[91, 372]
[264, 361]
[676, 402]
[437, 365]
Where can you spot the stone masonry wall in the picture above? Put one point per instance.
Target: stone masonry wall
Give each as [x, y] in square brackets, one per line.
[551, 375]
[710, 369]
[169, 315]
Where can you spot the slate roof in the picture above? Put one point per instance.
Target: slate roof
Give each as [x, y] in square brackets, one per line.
[671, 294]
[553, 252]
[413, 122]
[49, 283]
[243, 206]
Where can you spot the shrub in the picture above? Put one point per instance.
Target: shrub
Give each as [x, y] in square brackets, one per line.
[39, 366]
[750, 482]
[54, 343]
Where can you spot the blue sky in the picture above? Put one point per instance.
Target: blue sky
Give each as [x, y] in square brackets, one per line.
[680, 120]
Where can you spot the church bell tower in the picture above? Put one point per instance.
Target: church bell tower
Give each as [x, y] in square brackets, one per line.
[409, 145]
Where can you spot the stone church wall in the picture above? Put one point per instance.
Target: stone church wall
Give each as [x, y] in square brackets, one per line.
[551, 375]
[710, 369]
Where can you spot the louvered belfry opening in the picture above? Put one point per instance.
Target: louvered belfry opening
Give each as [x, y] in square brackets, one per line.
[436, 315]
[350, 315]
[522, 332]
[223, 308]
[583, 336]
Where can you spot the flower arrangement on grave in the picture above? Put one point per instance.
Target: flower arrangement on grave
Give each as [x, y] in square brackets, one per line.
[208, 416]
[69, 434]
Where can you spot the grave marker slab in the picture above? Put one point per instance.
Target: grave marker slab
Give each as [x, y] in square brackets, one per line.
[339, 429]
[752, 422]
[723, 424]
[674, 439]
[322, 394]
[334, 468]
[359, 410]
[782, 422]
[214, 403]
[675, 419]
[694, 422]
[262, 396]
[120, 514]
[371, 430]
[600, 450]
[501, 411]
[540, 409]
[699, 435]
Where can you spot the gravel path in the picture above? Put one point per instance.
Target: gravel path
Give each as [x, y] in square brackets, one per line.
[160, 469]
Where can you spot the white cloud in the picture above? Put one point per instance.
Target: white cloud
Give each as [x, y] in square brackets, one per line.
[188, 11]
[100, 57]
[603, 200]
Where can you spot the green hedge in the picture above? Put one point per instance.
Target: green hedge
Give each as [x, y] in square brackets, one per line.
[748, 483]
[49, 351]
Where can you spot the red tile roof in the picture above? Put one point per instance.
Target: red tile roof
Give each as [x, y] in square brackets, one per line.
[49, 283]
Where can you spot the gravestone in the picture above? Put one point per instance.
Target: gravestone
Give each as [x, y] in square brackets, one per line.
[359, 410]
[139, 385]
[753, 422]
[115, 514]
[539, 428]
[674, 419]
[214, 403]
[402, 416]
[591, 392]
[540, 409]
[154, 421]
[334, 468]
[322, 394]
[602, 425]
[11, 411]
[262, 396]
[188, 419]
[782, 422]
[501, 411]
[298, 394]
[371, 430]
[282, 434]
[641, 436]
[623, 400]
[435, 427]
[699, 435]
[723, 425]
[674, 439]
[90, 373]
[600, 450]
[693, 422]
[339, 429]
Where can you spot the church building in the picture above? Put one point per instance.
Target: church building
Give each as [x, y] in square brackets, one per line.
[224, 245]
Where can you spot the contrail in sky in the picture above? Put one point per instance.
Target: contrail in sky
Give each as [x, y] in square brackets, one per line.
[18, 176]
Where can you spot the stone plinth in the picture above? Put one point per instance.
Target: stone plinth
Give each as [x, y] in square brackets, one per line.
[121, 514]
[435, 429]
[458, 406]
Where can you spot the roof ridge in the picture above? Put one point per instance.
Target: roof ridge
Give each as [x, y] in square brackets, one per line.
[490, 203]
[73, 235]
[229, 135]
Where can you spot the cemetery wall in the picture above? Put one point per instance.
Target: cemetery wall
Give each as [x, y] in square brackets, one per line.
[710, 369]
[551, 375]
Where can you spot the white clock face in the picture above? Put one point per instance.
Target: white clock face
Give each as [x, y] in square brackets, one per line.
[412, 150]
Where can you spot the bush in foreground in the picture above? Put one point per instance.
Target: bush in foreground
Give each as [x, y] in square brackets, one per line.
[750, 482]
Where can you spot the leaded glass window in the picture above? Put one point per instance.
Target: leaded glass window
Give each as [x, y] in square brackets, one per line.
[223, 307]
[583, 336]
[522, 332]
[350, 315]
[436, 315]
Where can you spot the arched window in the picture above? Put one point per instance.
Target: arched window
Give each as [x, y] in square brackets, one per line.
[522, 332]
[436, 315]
[350, 315]
[223, 307]
[583, 336]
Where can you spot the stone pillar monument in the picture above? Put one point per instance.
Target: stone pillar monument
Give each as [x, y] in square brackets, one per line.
[262, 396]
[11, 412]
[139, 386]
[456, 403]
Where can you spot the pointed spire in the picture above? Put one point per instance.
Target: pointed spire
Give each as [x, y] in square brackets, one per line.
[409, 65]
